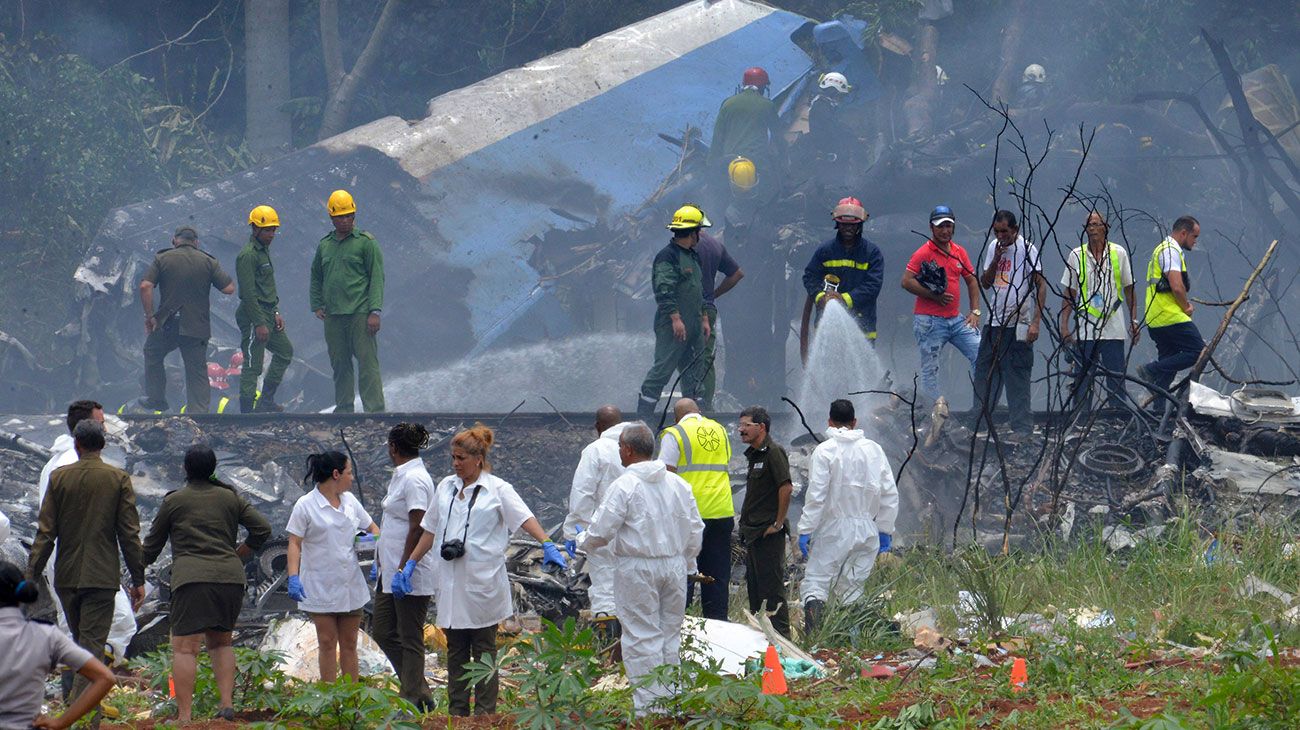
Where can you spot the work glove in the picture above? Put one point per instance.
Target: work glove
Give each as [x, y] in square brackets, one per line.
[400, 585]
[886, 542]
[374, 571]
[571, 546]
[296, 591]
[803, 544]
[552, 554]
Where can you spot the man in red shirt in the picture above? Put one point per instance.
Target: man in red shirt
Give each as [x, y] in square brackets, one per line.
[934, 274]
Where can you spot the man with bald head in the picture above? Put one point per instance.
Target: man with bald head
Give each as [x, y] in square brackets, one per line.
[598, 467]
[697, 448]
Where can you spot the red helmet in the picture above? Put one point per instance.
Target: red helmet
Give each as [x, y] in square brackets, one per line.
[849, 210]
[755, 77]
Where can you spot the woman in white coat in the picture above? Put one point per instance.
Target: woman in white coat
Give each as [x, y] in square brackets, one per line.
[398, 623]
[472, 517]
[324, 575]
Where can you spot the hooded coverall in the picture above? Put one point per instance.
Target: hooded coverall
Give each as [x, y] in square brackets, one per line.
[347, 281]
[649, 520]
[851, 499]
[598, 467]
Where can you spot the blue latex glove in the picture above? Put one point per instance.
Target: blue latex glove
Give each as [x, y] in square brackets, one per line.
[803, 544]
[400, 585]
[374, 571]
[551, 554]
[296, 591]
[571, 547]
[886, 542]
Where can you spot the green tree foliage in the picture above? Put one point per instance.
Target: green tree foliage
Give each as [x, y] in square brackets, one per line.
[78, 141]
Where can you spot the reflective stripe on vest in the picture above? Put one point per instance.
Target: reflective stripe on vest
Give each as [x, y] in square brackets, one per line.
[1083, 279]
[705, 452]
[1162, 308]
[847, 264]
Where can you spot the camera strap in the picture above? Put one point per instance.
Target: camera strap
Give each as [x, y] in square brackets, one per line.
[468, 510]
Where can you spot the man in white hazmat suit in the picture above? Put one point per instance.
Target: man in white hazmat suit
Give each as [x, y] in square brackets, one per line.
[63, 453]
[649, 520]
[848, 514]
[598, 467]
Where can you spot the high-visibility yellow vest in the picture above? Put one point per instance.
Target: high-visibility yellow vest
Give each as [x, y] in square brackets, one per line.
[1085, 298]
[703, 454]
[1162, 307]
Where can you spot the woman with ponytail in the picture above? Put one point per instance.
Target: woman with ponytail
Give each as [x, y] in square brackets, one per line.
[471, 519]
[324, 575]
[31, 651]
[202, 520]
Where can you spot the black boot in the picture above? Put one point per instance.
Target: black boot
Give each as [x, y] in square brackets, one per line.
[246, 404]
[266, 401]
[645, 410]
[812, 615]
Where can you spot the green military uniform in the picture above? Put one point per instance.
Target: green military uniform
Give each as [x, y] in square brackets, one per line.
[258, 306]
[678, 288]
[183, 273]
[202, 521]
[89, 510]
[747, 126]
[347, 281]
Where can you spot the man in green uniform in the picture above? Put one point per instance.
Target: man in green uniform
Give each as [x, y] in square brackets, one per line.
[89, 510]
[184, 273]
[261, 327]
[763, 528]
[347, 293]
[747, 126]
[681, 324]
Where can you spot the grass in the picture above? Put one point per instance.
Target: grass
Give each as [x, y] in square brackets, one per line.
[1185, 648]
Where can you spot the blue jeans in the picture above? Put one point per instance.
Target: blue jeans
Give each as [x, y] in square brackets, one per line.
[1087, 356]
[932, 333]
[1177, 347]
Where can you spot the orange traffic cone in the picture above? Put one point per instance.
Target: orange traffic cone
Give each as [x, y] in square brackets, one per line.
[773, 674]
[171, 687]
[1019, 675]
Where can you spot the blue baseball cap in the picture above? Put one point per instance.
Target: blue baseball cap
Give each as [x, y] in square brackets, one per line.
[942, 214]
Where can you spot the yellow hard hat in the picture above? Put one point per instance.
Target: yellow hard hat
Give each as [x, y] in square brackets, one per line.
[743, 174]
[264, 216]
[689, 217]
[341, 203]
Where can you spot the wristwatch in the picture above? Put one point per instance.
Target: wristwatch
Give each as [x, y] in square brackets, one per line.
[975, 312]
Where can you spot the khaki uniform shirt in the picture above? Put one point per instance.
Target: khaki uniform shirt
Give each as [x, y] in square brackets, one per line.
[256, 275]
[183, 274]
[347, 277]
[202, 521]
[90, 510]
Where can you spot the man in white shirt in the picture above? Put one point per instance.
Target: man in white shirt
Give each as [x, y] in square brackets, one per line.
[1168, 314]
[63, 453]
[1013, 276]
[848, 514]
[1097, 286]
[598, 467]
[653, 529]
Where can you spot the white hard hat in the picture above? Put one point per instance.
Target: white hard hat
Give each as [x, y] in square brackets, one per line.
[1034, 73]
[835, 80]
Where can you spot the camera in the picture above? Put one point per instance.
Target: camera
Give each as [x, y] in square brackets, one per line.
[452, 549]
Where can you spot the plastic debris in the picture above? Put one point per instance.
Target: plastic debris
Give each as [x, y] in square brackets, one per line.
[296, 638]
[1255, 585]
